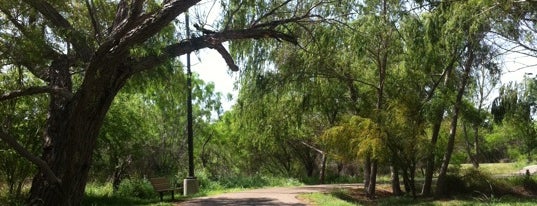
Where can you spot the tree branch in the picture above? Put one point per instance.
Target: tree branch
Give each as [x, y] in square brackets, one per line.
[12, 142]
[36, 90]
[149, 25]
[209, 41]
[314, 148]
[227, 57]
[94, 23]
[271, 12]
[72, 35]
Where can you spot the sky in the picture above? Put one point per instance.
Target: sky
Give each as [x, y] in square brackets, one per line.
[516, 66]
[211, 67]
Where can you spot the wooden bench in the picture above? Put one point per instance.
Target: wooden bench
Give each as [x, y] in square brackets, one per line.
[161, 185]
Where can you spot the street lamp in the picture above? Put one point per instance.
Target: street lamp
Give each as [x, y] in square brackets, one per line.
[190, 184]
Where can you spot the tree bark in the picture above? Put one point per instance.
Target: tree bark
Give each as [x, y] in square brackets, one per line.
[469, 146]
[323, 168]
[367, 173]
[373, 180]
[429, 171]
[72, 129]
[476, 144]
[396, 184]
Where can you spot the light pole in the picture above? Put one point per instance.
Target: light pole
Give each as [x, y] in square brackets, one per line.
[190, 184]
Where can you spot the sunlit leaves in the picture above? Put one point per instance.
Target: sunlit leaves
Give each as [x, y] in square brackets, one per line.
[356, 138]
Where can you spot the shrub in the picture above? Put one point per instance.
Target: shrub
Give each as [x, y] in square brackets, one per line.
[528, 183]
[140, 188]
[455, 185]
[483, 183]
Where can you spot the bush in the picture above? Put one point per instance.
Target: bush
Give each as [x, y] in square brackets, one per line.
[208, 183]
[528, 183]
[140, 188]
[475, 182]
[455, 185]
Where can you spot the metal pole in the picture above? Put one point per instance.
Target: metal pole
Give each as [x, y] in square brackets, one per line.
[189, 107]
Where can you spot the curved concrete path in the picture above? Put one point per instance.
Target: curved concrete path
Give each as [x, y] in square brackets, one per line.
[286, 196]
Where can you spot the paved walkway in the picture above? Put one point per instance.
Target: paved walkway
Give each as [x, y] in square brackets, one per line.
[266, 196]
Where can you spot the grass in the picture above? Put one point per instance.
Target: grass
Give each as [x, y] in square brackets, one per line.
[496, 168]
[325, 199]
[102, 194]
[346, 198]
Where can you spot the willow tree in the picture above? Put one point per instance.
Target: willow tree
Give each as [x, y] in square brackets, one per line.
[84, 53]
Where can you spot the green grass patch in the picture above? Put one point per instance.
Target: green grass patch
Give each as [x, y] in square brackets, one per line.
[496, 168]
[499, 201]
[102, 194]
[325, 199]
[347, 197]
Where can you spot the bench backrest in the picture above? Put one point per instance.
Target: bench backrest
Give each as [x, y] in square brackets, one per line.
[160, 184]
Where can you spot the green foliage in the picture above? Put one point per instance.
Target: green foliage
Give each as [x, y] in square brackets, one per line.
[208, 184]
[355, 138]
[23, 119]
[140, 188]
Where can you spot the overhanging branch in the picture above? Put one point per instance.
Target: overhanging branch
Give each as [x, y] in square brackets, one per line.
[12, 142]
[210, 41]
[35, 90]
[227, 57]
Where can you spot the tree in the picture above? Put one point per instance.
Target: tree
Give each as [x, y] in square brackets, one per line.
[470, 40]
[84, 53]
[514, 110]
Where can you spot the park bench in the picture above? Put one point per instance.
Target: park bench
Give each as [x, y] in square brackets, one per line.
[161, 185]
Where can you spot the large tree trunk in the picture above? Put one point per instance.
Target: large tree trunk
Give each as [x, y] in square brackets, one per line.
[72, 129]
[441, 190]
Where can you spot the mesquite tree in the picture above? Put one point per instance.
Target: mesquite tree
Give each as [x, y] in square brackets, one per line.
[85, 51]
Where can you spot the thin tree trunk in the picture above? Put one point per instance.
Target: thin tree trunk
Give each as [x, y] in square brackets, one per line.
[367, 173]
[476, 145]
[406, 181]
[396, 185]
[441, 190]
[323, 168]
[412, 172]
[373, 180]
[471, 156]
[429, 171]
